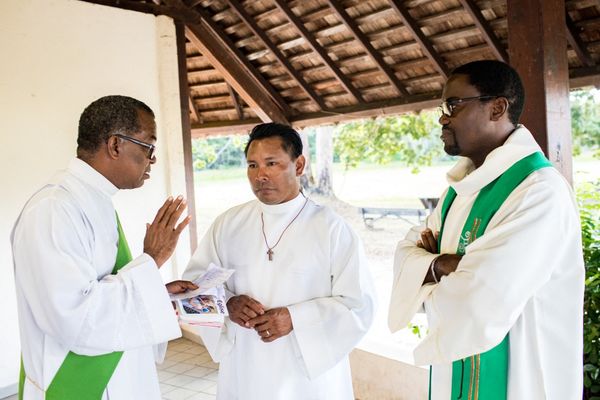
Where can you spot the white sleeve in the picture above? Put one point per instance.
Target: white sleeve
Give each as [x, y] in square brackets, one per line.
[328, 328]
[474, 308]
[54, 249]
[206, 253]
[410, 267]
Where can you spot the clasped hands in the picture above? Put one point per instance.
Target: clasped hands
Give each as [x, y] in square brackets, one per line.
[445, 263]
[269, 324]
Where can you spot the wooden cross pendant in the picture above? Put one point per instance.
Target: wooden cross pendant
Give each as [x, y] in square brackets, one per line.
[270, 254]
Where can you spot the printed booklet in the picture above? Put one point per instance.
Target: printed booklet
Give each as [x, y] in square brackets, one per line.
[207, 305]
[208, 308]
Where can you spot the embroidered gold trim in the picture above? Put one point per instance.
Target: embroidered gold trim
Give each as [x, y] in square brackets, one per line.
[34, 383]
[478, 361]
[472, 374]
[476, 224]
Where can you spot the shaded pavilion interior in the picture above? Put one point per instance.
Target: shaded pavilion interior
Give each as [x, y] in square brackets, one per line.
[308, 62]
[315, 62]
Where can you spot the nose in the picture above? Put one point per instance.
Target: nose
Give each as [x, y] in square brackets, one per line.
[261, 174]
[153, 160]
[444, 120]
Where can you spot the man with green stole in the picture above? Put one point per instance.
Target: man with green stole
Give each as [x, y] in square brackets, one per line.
[498, 267]
[92, 318]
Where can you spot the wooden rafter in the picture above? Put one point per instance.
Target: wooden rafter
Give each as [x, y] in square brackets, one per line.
[418, 35]
[308, 37]
[488, 34]
[236, 103]
[224, 127]
[576, 43]
[266, 41]
[250, 69]
[193, 107]
[364, 41]
[223, 60]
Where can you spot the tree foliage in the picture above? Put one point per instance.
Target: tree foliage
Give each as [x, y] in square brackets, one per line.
[412, 139]
[218, 152]
[585, 121]
[588, 196]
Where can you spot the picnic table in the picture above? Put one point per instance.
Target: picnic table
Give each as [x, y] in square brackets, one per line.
[372, 214]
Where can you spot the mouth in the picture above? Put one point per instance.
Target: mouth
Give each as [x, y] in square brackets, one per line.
[446, 132]
[263, 190]
[147, 175]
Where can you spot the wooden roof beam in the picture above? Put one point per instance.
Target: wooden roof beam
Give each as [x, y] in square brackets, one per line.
[319, 50]
[577, 44]
[488, 34]
[194, 109]
[222, 128]
[230, 64]
[384, 108]
[241, 59]
[425, 44]
[364, 41]
[225, 62]
[238, 108]
[244, 16]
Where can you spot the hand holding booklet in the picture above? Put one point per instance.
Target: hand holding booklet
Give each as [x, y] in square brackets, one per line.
[206, 305]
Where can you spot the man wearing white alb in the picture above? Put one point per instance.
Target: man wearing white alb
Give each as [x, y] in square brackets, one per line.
[301, 296]
[499, 266]
[89, 313]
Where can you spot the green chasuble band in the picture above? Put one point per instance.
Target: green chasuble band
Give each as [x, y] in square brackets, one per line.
[485, 376]
[86, 377]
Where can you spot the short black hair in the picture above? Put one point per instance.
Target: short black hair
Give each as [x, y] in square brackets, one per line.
[495, 78]
[105, 117]
[291, 141]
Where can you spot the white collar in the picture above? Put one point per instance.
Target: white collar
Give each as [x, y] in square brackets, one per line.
[283, 208]
[89, 175]
[467, 180]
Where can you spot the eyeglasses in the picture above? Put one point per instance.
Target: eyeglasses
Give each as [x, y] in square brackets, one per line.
[447, 107]
[151, 148]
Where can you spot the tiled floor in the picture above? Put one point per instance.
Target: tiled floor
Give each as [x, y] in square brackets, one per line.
[187, 373]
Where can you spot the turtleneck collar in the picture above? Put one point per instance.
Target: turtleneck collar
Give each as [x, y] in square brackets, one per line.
[89, 175]
[467, 180]
[283, 208]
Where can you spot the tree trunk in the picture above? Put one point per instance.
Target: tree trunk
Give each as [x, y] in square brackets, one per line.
[325, 160]
[307, 180]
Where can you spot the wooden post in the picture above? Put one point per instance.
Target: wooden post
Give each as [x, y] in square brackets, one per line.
[537, 44]
[186, 132]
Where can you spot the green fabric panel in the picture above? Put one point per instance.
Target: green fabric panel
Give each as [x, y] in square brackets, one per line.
[21, 380]
[85, 377]
[485, 376]
[123, 252]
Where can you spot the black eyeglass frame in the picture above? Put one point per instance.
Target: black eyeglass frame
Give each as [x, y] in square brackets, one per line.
[151, 148]
[447, 107]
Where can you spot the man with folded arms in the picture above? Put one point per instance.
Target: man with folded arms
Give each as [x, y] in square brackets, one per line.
[499, 267]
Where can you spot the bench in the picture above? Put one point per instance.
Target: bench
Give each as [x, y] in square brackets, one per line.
[372, 214]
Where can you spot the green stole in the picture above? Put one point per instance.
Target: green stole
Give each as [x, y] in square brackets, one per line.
[85, 377]
[485, 376]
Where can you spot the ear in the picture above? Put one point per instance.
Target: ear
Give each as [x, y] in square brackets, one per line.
[300, 163]
[499, 108]
[112, 147]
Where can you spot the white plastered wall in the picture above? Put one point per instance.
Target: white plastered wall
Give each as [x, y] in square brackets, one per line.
[57, 56]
